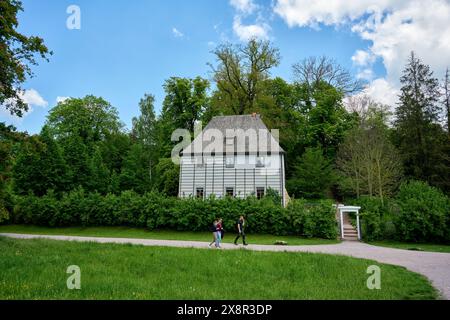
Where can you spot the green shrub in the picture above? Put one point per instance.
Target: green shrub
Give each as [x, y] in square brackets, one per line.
[376, 219]
[4, 214]
[423, 213]
[155, 211]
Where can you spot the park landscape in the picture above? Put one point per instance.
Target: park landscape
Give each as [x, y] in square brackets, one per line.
[90, 191]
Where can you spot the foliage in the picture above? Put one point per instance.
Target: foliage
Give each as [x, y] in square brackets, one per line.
[367, 162]
[167, 175]
[313, 219]
[422, 142]
[423, 213]
[17, 54]
[156, 211]
[91, 118]
[40, 166]
[312, 177]
[375, 218]
[136, 170]
[239, 73]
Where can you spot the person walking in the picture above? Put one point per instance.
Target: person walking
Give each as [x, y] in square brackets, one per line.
[240, 226]
[213, 229]
[219, 230]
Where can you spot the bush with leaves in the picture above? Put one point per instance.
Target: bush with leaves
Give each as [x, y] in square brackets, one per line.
[423, 213]
[156, 211]
[376, 218]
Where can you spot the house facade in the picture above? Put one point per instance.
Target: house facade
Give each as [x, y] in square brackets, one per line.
[234, 156]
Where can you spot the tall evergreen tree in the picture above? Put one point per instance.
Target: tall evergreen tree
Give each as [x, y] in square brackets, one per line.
[313, 176]
[419, 136]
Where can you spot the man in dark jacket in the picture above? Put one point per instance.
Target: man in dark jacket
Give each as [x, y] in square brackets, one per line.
[240, 226]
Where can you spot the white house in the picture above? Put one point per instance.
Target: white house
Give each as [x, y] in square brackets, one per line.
[235, 156]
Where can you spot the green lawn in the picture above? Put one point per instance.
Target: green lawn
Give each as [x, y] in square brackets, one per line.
[36, 269]
[124, 232]
[413, 246]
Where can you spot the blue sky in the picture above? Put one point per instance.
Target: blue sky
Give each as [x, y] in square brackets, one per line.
[125, 49]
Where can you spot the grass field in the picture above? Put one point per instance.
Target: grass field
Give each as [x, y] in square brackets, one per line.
[413, 246]
[36, 269]
[124, 232]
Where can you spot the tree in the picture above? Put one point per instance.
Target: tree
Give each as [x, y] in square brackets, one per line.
[17, 53]
[167, 177]
[313, 176]
[327, 120]
[91, 118]
[367, 161]
[446, 98]
[144, 125]
[314, 70]
[76, 155]
[421, 140]
[239, 73]
[9, 139]
[40, 166]
[145, 131]
[135, 170]
[100, 176]
[185, 101]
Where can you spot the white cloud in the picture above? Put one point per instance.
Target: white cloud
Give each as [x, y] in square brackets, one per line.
[61, 99]
[244, 6]
[33, 98]
[365, 74]
[393, 27]
[383, 92]
[177, 33]
[258, 29]
[247, 32]
[363, 58]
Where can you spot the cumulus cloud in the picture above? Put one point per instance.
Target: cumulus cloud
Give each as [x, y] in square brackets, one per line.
[363, 58]
[383, 92]
[258, 29]
[177, 33]
[33, 98]
[244, 6]
[247, 32]
[393, 27]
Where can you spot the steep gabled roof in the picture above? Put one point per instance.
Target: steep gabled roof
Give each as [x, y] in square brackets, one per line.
[239, 125]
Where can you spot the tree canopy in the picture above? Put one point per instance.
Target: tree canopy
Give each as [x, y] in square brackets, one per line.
[17, 54]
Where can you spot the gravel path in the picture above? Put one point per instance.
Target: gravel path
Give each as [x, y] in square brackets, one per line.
[434, 265]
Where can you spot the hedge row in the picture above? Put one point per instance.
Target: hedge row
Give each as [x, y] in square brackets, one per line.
[155, 211]
[419, 213]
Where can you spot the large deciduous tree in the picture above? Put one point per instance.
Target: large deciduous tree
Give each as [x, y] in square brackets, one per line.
[40, 166]
[91, 118]
[17, 53]
[239, 73]
[367, 161]
[314, 70]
